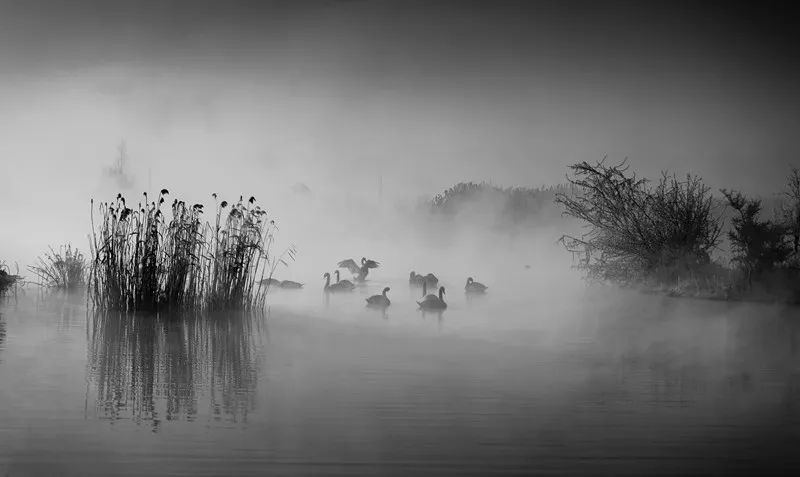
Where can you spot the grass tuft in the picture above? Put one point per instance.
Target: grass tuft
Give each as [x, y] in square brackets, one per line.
[65, 268]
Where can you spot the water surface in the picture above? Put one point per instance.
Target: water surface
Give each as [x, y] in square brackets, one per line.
[602, 383]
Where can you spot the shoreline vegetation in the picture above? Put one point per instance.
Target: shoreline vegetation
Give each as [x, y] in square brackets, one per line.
[663, 237]
[8, 281]
[668, 237]
[155, 257]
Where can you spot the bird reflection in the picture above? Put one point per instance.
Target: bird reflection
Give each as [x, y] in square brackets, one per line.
[149, 370]
[439, 314]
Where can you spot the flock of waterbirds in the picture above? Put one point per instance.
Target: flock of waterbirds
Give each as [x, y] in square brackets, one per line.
[360, 272]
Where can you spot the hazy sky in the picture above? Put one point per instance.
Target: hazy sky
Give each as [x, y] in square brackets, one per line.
[238, 96]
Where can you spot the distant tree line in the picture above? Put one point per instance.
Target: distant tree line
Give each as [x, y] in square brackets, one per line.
[510, 205]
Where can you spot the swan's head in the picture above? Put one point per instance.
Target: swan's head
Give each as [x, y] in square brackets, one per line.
[441, 291]
[386, 290]
[363, 260]
[412, 274]
[469, 280]
[326, 275]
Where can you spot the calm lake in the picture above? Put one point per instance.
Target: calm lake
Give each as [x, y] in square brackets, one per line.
[505, 384]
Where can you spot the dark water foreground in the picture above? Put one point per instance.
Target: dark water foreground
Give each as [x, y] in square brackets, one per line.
[511, 384]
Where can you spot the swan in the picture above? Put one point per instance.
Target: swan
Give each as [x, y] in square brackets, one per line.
[425, 295]
[379, 301]
[344, 283]
[432, 302]
[271, 282]
[415, 279]
[360, 271]
[336, 287]
[475, 287]
[431, 280]
[291, 284]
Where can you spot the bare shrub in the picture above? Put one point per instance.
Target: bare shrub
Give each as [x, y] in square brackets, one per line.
[634, 230]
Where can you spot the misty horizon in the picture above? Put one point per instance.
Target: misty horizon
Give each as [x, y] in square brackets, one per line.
[356, 257]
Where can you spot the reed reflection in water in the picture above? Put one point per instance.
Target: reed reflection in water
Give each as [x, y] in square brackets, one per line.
[2, 336]
[177, 367]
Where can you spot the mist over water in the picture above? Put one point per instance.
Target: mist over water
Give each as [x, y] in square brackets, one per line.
[542, 374]
[342, 119]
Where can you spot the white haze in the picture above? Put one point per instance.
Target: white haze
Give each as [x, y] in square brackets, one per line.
[195, 135]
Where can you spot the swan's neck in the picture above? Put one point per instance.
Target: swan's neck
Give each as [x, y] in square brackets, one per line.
[327, 281]
[384, 293]
[441, 295]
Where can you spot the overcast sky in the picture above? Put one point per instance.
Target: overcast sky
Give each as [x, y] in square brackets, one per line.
[241, 95]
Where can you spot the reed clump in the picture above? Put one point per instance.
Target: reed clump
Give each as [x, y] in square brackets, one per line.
[65, 268]
[156, 257]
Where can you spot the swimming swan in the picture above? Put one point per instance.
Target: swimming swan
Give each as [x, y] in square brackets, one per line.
[336, 287]
[381, 301]
[415, 279]
[474, 287]
[290, 284]
[344, 283]
[432, 302]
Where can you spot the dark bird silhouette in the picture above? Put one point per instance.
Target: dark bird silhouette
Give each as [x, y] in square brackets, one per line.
[271, 282]
[359, 271]
[432, 302]
[291, 285]
[344, 283]
[425, 295]
[431, 280]
[379, 301]
[475, 287]
[336, 287]
[415, 279]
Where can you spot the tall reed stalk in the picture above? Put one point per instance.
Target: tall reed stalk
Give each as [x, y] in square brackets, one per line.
[144, 260]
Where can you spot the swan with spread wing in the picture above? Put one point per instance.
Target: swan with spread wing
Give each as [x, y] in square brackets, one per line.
[359, 271]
